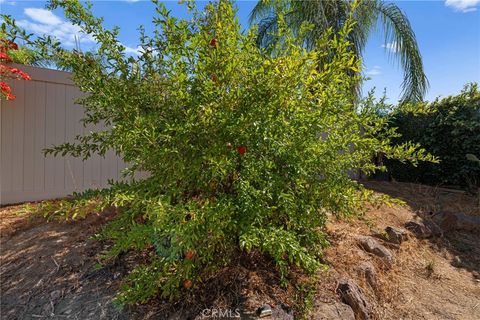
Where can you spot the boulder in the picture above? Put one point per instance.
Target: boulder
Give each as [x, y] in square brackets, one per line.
[418, 229]
[332, 311]
[352, 295]
[396, 235]
[371, 245]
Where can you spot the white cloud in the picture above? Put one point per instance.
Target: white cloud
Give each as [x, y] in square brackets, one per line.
[391, 46]
[42, 16]
[134, 51]
[462, 5]
[375, 71]
[44, 22]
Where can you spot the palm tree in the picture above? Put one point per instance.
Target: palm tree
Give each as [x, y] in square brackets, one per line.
[369, 15]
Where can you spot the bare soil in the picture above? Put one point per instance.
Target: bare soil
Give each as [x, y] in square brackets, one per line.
[49, 269]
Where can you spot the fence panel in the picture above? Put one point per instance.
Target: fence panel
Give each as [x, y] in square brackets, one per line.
[44, 114]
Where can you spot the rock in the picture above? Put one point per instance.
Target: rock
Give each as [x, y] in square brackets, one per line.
[332, 311]
[352, 295]
[418, 229]
[449, 221]
[371, 245]
[264, 311]
[395, 235]
[368, 271]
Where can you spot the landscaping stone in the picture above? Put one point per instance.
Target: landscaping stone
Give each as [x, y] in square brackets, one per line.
[371, 245]
[332, 311]
[352, 295]
[395, 235]
[418, 229]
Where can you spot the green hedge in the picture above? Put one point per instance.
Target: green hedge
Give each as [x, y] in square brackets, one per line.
[449, 129]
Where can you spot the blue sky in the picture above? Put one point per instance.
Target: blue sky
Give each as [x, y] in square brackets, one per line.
[448, 34]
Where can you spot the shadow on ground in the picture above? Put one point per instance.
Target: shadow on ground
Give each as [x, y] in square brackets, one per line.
[50, 270]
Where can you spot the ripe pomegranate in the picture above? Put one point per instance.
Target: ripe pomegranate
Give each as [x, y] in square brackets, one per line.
[190, 254]
[242, 150]
[213, 43]
[187, 284]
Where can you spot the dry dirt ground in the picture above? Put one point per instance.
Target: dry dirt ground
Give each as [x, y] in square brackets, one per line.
[48, 270]
[435, 278]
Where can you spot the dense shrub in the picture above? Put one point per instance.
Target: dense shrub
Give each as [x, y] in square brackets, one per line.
[449, 129]
[245, 150]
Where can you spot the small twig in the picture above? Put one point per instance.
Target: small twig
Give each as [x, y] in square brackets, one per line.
[58, 266]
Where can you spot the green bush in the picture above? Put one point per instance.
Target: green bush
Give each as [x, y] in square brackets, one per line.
[245, 150]
[448, 129]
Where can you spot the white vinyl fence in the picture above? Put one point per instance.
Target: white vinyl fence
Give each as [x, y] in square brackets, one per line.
[42, 115]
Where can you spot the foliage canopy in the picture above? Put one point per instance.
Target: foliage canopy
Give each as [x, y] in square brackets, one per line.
[448, 128]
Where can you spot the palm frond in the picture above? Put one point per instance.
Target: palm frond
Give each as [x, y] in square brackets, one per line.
[261, 10]
[399, 34]
[323, 14]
